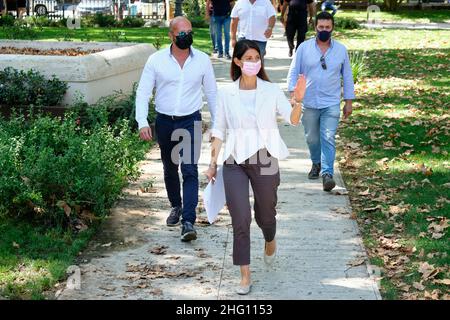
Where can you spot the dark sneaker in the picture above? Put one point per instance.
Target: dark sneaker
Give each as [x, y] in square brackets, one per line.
[174, 217]
[188, 232]
[220, 55]
[227, 55]
[328, 182]
[290, 53]
[315, 171]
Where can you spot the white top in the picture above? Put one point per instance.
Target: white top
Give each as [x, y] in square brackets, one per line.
[178, 90]
[250, 140]
[248, 104]
[253, 18]
[231, 121]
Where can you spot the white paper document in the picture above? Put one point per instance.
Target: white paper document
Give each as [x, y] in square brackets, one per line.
[214, 196]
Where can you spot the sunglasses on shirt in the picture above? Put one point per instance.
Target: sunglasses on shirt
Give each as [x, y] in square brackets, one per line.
[322, 62]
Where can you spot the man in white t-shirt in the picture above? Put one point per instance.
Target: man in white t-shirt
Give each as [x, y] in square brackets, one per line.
[255, 19]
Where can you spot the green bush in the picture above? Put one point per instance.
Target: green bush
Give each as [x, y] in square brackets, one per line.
[132, 22]
[198, 22]
[88, 21]
[60, 172]
[104, 20]
[6, 20]
[29, 88]
[37, 21]
[112, 108]
[346, 23]
[21, 31]
[359, 66]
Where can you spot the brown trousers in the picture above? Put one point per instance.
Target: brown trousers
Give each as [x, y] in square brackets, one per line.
[262, 171]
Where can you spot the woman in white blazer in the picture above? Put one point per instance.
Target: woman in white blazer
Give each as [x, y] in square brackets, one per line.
[246, 119]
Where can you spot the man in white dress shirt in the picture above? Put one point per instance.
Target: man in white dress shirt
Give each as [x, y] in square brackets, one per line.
[178, 74]
[255, 20]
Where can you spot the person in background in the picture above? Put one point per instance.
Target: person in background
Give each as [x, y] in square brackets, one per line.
[297, 21]
[329, 5]
[221, 10]
[2, 7]
[212, 26]
[255, 20]
[326, 66]
[247, 116]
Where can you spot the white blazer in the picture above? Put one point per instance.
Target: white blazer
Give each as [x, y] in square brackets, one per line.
[270, 100]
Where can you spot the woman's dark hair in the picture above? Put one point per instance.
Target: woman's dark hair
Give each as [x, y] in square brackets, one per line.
[240, 49]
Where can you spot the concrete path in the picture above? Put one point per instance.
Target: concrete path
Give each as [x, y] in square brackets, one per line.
[320, 251]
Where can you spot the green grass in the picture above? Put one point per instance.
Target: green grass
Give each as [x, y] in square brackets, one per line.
[202, 40]
[402, 15]
[402, 115]
[33, 258]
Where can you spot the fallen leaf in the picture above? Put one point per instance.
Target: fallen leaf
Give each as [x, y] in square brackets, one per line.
[364, 193]
[382, 162]
[157, 292]
[339, 191]
[159, 250]
[444, 281]
[357, 262]
[436, 235]
[378, 207]
[353, 145]
[106, 288]
[427, 270]
[388, 144]
[403, 144]
[405, 288]
[63, 205]
[88, 216]
[419, 286]
[435, 149]
[398, 209]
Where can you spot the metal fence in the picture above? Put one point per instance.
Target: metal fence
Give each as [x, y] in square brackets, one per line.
[59, 9]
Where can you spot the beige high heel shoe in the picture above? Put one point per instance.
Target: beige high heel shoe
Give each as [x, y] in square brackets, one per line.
[243, 290]
[269, 260]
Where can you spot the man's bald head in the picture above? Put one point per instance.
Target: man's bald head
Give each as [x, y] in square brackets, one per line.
[178, 24]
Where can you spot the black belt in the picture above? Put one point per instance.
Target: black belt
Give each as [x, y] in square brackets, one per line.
[168, 117]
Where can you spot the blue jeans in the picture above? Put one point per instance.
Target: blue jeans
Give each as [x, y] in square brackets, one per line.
[320, 130]
[330, 6]
[261, 45]
[222, 22]
[166, 131]
[212, 33]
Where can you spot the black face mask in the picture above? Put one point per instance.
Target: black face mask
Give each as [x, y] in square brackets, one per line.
[324, 35]
[184, 40]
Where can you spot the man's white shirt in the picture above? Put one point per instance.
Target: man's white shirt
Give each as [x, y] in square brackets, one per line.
[178, 90]
[253, 18]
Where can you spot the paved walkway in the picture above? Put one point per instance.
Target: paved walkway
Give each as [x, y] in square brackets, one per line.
[320, 252]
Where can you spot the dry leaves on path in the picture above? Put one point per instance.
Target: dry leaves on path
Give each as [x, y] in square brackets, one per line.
[158, 250]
